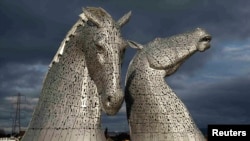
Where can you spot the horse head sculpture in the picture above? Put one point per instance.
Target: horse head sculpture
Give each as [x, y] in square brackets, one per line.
[83, 78]
[104, 49]
[154, 111]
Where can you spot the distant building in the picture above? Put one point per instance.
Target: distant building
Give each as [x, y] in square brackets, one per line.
[118, 136]
[2, 133]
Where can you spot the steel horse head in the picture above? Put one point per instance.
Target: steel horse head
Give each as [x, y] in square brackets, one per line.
[83, 79]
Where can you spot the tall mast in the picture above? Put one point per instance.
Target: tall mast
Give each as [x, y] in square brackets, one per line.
[16, 127]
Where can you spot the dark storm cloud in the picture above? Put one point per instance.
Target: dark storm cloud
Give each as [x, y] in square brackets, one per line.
[225, 102]
[21, 77]
[164, 18]
[31, 32]
[35, 29]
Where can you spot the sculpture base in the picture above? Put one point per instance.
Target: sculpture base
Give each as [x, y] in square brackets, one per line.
[64, 134]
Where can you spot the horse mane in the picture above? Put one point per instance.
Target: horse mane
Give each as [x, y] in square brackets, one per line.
[71, 32]
[98, 12]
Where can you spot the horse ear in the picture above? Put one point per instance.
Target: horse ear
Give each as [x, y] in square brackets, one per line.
[123, 20]
[83, 17]
[91, 16]
[135, 45]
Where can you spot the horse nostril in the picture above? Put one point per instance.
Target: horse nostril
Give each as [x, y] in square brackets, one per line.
[205, 39]
[109, 98]
[99, 48]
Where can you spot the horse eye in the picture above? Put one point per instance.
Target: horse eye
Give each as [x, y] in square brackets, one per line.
[90, 23]
[99, 48]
